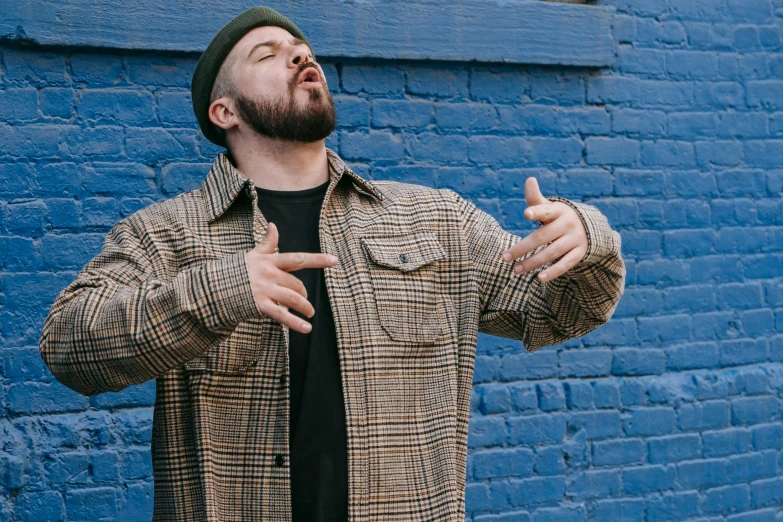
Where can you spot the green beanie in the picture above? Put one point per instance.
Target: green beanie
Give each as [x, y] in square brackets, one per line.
[216, 52]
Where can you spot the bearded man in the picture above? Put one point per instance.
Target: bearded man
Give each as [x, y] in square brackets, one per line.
[312, 333]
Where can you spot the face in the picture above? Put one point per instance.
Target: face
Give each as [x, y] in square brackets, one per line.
[278, 90]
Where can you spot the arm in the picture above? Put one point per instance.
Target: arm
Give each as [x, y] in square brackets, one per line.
[117, 325]
[520, 306]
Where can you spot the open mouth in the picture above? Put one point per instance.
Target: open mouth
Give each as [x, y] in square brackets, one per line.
[310, 75]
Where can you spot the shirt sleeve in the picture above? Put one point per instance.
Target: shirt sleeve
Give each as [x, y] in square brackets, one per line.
[117, 324]
[519, 306]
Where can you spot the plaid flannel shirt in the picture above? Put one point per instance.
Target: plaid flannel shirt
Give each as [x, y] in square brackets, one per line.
[420, 274]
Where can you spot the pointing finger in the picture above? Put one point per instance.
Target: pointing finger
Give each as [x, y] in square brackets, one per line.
[297, 260]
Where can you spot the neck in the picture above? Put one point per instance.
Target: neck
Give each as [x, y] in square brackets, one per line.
[282, 165]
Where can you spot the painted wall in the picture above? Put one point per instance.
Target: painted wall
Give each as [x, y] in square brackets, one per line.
[672, 411]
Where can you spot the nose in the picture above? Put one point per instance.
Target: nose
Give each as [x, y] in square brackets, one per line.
[299, 54]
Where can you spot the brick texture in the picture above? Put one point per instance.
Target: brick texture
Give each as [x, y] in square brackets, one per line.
[671, 411]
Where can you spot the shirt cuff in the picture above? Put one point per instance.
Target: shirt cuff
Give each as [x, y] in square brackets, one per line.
[222, 293]
[602, 241]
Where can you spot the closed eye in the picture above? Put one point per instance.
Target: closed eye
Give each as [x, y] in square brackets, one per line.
[265, 57]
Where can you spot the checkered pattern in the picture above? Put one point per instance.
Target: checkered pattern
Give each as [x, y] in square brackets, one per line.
[419, 276]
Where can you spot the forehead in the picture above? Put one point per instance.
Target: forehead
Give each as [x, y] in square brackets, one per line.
[258, 35]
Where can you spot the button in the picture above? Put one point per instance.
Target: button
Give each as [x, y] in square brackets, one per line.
[404, 258]
[279, 461]
[282, 379]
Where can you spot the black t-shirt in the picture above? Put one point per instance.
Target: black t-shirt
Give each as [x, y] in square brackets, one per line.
[318, 440]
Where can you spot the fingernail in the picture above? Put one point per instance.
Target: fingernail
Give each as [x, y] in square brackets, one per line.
[544, 276]
[507, 256]
[519, 269]
[306, 327]
[332, 259]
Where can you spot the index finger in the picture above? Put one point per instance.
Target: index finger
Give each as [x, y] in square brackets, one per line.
[544, 212]
[291, 261]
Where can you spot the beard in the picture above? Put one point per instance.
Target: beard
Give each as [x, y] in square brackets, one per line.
[286, 120]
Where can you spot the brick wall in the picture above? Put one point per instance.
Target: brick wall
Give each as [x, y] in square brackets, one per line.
[672, 411]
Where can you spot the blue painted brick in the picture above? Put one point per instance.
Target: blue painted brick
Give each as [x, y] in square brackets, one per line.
[638, 362]
[754, 410]
[649, 421]
[541, 365]
[486, 431]
[693, 355]
[767, 492]
[752, 467]
[550, 461]
[592, 484]
[702, 473]
[537, 429]
[136, 504]
[116, 106]
[726, 442]
[611, 151]
[664, 328]
[459, 117]
[742, 352]
[597, 424]
[499, 87]
[618, 510]
[495, 399]
[91, 504]
[618, 452]
[560, 514]
[727, 499]
[427, 81]
[477, 496]
[708, 415]
[401, 113]
[40, 505]
[767, 436]
[36, 398]
[647, 479]
[674, 448]
[377, 145]
[533, 491]
[503, 463]
[352, 111]
[67, 468]
[523, 396]
[551, 396]
[672, 506]
[135, 464]
[104, 465]
[512, 516]
[579, 395]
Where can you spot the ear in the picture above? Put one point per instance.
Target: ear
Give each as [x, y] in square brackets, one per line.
[221, 113]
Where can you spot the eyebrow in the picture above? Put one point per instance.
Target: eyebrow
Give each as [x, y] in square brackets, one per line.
[276, 43]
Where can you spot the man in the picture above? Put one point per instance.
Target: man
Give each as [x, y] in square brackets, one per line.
[312, 333]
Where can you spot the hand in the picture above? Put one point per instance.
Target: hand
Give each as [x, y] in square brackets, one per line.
[274, 288]
[562, 228]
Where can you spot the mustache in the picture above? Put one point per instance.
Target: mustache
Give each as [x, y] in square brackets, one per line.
[301, 67]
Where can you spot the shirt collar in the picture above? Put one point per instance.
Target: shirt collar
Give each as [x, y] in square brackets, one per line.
[224, 183]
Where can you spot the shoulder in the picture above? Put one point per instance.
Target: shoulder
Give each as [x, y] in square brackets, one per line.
[170, 214]
[409, 193]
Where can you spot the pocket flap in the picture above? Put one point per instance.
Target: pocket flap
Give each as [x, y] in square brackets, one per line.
[404, 253]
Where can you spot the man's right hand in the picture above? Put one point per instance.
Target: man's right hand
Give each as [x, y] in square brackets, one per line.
[274, 288]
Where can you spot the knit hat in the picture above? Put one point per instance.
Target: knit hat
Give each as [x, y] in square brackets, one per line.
[216, 52]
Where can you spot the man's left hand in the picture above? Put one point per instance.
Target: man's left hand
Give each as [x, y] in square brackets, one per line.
[562, 228]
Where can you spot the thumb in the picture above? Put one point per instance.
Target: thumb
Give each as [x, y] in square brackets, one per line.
[268, 245]
[533, 194]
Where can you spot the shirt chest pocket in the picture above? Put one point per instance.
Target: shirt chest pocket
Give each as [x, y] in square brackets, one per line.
[404, 271]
